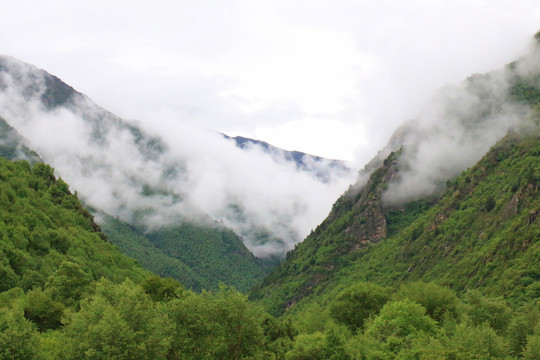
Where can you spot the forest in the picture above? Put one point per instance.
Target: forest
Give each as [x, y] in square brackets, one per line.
[454, 274]
[67, 293]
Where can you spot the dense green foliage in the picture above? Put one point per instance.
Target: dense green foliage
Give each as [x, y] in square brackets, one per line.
[66, 293]
[199, 256]
[456, 276]
[463, 241]
[134, 243]
[48, 239]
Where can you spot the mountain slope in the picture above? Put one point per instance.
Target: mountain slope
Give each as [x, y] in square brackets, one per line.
[183, 176]
[199, 256]
[66, 293]
[44, 229]
[116, 165]
[409, 217]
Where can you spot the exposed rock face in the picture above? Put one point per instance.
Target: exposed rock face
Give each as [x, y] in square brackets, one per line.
[368, 225]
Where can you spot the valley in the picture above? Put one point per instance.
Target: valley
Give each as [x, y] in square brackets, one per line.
[432, 252]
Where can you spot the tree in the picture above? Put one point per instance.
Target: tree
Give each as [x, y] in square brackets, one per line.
[18, 336]
[357, 303]
[42, 310]
[398, 323]
[221, 325]
[438, 300]
[161, 289]
[117, 322]
[470, 342]
[68, 283]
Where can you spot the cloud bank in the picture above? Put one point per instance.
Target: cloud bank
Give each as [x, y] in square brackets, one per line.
[332, 78]
[159, 179]
[458, 126]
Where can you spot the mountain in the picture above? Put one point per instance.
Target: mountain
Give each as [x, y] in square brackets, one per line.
[432, 254]
[12, 145]
[194, 249]
[323, 169]
[65, 292]
[151, 180]
[415, 215]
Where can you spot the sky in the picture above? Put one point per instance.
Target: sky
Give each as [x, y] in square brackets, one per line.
[330, 78]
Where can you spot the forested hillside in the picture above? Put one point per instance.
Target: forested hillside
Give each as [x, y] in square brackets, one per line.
[476, 234]
[482, 233]
[394, 225]
[196, 250]
[433, 254]
[200, 256]
[66, 293]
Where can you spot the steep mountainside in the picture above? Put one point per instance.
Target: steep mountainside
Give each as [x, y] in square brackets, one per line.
[409, 217]
[66, 293]
[136, 194]
[47, 236]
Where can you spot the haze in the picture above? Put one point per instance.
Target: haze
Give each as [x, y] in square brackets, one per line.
[332, 78]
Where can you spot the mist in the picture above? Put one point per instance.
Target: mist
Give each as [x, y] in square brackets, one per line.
[457, 127]
[154, 179]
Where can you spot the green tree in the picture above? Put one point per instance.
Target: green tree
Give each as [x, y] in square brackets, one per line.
[68, 283]
[278, 336]
[439, 301]
[18, 336]
[117, 322]
[398, 323]
[42, 310]
[357, 303]
[308, 347]
[220, 325]
[482, 309]
[161, 289]
[476, 342]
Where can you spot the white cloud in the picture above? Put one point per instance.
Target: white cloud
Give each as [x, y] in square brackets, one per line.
[197, 172]
[225, 65]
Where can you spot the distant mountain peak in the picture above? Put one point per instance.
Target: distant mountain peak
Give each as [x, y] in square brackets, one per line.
[322, 168]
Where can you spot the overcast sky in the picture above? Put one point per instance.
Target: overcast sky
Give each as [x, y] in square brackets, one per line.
[331, 78]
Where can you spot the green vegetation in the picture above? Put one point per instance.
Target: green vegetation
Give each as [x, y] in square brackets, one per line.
[66, 293]
[463, 241]
[456, 276]
[199, 256]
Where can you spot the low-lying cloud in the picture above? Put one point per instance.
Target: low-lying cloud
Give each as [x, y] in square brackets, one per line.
[161, 179]
[457, 127]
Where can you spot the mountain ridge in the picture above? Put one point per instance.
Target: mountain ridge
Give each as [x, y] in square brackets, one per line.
[373, 230]
[303, 161]
[38, 88]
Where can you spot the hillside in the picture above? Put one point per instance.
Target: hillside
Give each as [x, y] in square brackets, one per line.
[432, 254]
[49, 240]
[410, 218]
[199, 256]
[66, 293]
[481, 233]
[127, 191]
